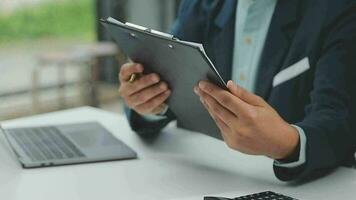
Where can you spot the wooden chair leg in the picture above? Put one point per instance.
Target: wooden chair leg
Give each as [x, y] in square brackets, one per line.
[83, 84]
[94, 78]
[61, 90]
[35, 91]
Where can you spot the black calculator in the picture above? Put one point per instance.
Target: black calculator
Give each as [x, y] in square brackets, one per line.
[268, 195]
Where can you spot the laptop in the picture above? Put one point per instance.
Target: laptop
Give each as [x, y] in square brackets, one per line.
[65, 144]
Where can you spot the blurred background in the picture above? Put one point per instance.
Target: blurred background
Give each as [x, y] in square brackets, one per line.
[55, 55]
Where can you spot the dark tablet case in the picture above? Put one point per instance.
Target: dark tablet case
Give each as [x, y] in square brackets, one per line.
[181, 65]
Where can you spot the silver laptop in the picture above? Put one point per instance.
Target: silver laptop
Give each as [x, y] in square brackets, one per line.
[65, 144]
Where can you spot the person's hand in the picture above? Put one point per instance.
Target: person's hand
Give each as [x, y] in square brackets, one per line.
[147, 94]
[248, 123]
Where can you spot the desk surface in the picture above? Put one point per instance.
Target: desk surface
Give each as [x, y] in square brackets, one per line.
[176, 165]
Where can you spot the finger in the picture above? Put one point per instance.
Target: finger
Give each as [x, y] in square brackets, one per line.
[152, 104]
[225, 98]
[224, 114]
[146, 94]
[223, 127]
[245, 95]
[145, 81]
[160, 109]
[225, 130]
[128, 69]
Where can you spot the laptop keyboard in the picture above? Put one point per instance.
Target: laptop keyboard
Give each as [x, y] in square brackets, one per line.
[45, 143]
[258, 196]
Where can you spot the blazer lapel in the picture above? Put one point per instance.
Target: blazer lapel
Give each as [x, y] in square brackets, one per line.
[221, 37]
[279, 37]
[227, 10]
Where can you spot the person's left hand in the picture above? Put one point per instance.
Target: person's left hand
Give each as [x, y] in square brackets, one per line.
[248, 123]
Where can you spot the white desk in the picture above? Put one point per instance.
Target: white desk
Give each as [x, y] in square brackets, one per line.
[177, 165]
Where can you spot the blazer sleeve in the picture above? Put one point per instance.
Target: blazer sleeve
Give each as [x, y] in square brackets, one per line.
[145, 127]
[330, 116]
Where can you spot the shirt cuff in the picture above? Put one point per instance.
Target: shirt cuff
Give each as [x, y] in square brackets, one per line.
[302, 152]
[154, 118]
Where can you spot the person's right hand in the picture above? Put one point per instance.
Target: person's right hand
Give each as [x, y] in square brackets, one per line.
[145, 95]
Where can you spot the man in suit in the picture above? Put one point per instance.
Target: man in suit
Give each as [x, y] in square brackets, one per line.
[290, 67]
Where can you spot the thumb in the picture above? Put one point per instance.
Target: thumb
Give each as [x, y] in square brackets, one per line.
[245, 95]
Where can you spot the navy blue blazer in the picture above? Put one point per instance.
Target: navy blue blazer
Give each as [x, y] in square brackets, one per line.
[320, 100]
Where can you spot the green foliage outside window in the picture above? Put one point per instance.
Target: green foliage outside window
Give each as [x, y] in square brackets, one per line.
[54, 19]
